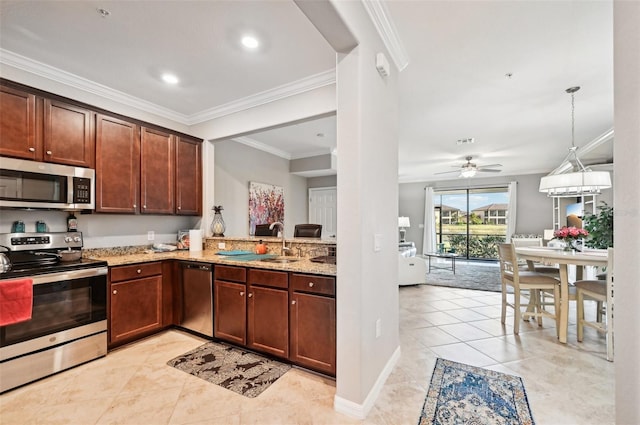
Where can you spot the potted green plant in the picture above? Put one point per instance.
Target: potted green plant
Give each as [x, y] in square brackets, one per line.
[600, 227]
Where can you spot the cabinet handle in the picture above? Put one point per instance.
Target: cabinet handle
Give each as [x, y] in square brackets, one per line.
[32, 149]
[48, 152]
[293, 302]
[144, 206]
[310, 284]
[242, 293]
[115, 291]
[138, 271]
[134, 205]
[179, 208]
[250, 294]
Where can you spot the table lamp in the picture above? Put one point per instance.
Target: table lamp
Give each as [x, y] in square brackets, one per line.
[402, 223]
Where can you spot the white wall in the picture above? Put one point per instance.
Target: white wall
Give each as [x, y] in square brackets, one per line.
[626, 204]
[235, 166]
[367, 291]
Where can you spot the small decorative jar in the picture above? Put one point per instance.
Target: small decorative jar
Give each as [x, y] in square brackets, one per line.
[217, 225]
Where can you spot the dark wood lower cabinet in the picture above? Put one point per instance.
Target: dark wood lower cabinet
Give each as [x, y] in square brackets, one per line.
[268, 321]
[230, 310]
[313, 332]
[136, 308]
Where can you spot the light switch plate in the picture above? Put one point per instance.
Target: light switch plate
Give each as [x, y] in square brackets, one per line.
[377, 242]
[151, 235]
[221, 245]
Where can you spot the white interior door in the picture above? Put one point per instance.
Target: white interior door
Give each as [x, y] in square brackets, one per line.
[323, 209]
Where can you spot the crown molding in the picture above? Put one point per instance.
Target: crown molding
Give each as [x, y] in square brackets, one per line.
[43, 70]
[379, 14]
[311, 154]
[23, 63]
[312, 82]
[263, 147]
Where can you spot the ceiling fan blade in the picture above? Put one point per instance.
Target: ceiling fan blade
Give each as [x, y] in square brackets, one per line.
[488, 170]
[448, 172]
[490, 165]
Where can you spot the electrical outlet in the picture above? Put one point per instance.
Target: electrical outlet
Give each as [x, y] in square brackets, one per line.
[378, 328]
[221, 245]
[151, 235]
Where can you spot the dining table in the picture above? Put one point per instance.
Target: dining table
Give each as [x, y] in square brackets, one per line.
[549, 255]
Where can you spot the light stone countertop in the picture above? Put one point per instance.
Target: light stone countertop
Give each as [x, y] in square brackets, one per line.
[210, 256]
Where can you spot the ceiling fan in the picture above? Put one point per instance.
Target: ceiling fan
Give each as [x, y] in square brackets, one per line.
[470, 169]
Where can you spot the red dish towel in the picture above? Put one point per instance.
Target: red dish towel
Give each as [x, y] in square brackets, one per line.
[16, 301]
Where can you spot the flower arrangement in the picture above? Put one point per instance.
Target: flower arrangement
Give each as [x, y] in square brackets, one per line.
[569, 235]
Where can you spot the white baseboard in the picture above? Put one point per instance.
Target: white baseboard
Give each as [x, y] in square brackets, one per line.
[360, 411]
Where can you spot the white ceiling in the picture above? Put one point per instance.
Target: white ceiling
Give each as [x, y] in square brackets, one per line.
[454, 87]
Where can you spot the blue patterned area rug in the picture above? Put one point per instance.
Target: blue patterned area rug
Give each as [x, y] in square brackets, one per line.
[464, 394]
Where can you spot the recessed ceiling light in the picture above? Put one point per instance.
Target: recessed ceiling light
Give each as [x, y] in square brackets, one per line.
[103, 12]
[250, 42]
[170, 79]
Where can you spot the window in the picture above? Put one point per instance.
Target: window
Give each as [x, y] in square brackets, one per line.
[471, 222]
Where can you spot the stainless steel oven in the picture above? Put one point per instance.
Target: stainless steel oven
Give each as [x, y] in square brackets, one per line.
[68, 325]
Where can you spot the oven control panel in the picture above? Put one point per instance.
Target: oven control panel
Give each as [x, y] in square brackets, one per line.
[34, 241]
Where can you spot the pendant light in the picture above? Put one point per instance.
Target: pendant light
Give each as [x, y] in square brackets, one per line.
[582, 181]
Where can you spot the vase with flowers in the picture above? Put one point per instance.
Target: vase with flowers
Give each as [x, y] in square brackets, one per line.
[569, 235]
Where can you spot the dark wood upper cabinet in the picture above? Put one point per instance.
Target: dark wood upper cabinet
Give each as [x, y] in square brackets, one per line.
[157, 172]
[69, 136]
[117, 165]
[18, 124]
[188, 177]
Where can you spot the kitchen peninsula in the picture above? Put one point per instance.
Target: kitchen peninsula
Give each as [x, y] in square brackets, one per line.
[284, 309]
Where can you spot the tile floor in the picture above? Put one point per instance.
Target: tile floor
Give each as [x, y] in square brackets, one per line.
[566, 384]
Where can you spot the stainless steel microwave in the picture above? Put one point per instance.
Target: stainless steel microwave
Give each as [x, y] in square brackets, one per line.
[32, 184]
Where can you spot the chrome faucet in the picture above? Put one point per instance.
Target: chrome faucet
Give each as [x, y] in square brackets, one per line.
[281, 230]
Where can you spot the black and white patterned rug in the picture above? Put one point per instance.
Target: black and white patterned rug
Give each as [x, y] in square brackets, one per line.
[240, 371]
[464, 394]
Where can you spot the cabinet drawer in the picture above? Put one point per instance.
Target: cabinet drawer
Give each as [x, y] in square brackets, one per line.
[135, 271]
[233, 274]
[268, 278]
[313, 284]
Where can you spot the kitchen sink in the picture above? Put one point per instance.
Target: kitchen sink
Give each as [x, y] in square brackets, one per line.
[281, 260]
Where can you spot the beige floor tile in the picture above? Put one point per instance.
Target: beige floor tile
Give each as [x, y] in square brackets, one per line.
[463, 353]
[492, 326]
[466, 315]
[465, 332]
[440, 318]
[500, 350]
[431, 337]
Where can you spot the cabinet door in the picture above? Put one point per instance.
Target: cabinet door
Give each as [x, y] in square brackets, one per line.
[69, 137]
[18, 124]
[230, 311]
[117, 165]
[157, 159]
[188, 177]
[313, 332]
[268, 321]
[135, 308]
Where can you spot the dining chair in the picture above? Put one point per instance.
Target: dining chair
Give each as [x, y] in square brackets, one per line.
[524, 280]
[600, 291]
[530, 265]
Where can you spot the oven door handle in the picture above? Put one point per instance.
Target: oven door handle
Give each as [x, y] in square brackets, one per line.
[68, 275]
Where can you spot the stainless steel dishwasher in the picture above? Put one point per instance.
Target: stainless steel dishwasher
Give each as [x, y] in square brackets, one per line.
[197, 298]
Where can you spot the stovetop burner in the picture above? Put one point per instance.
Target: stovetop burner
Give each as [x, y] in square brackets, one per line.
[36, 253]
